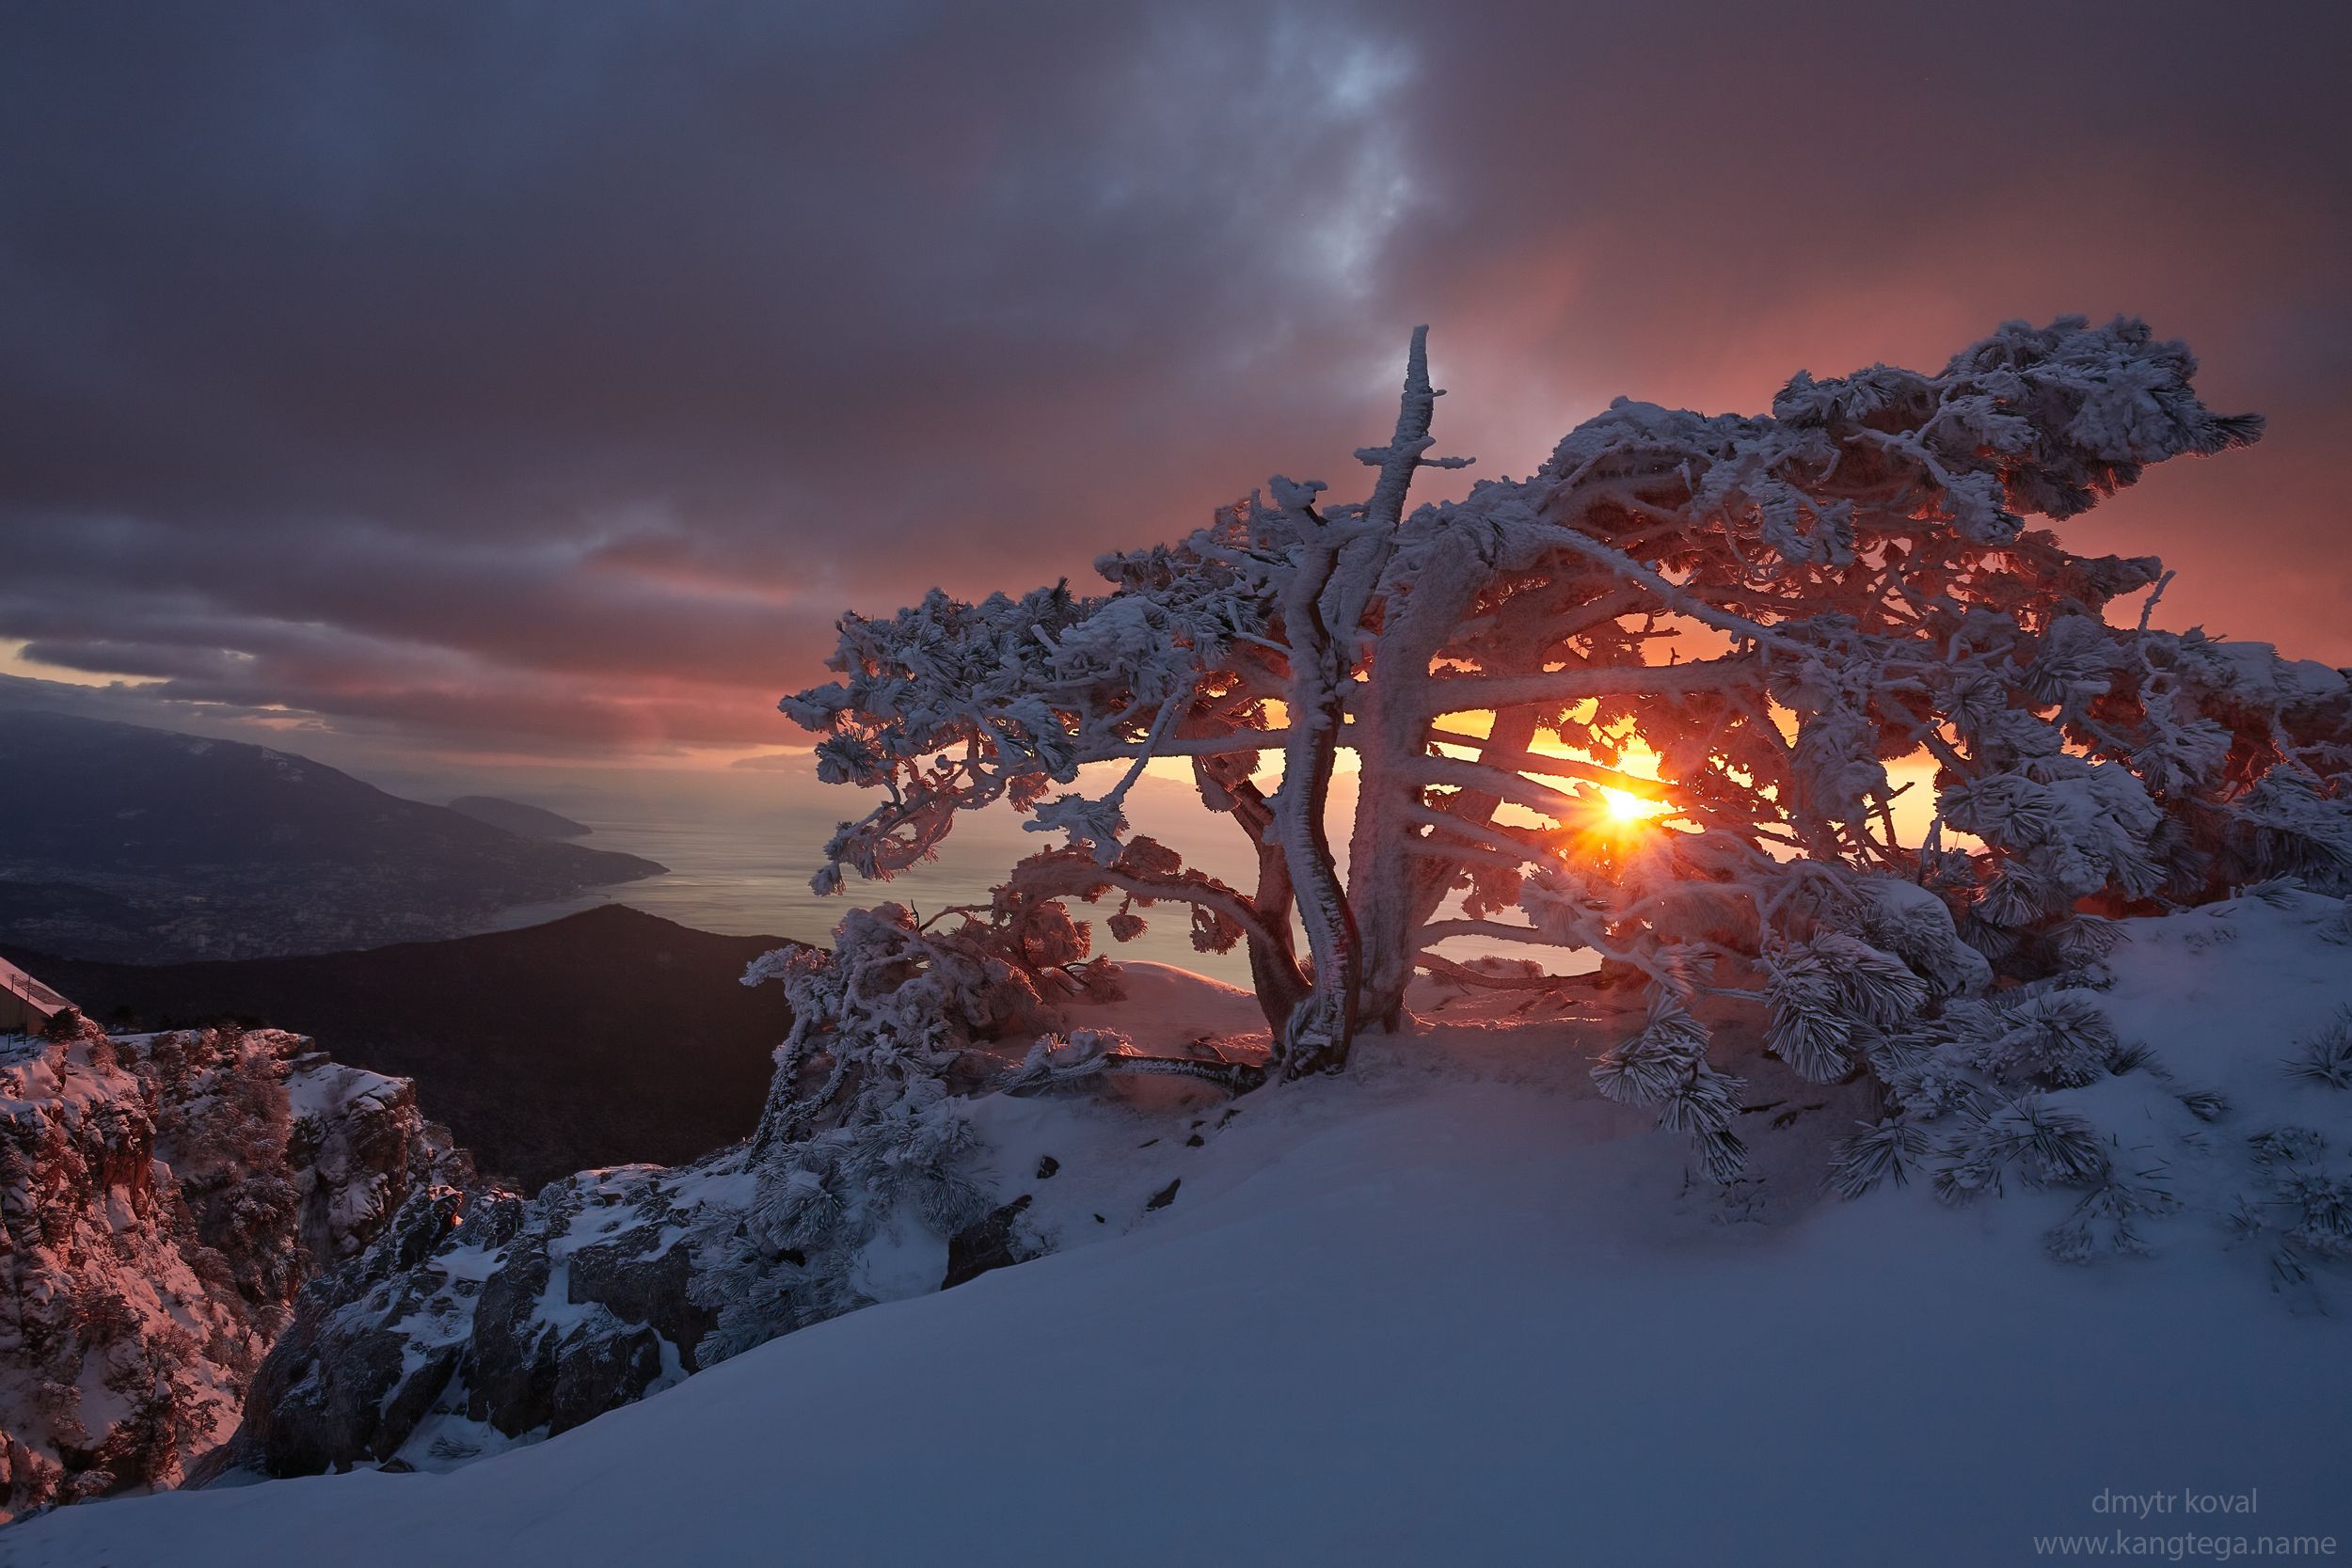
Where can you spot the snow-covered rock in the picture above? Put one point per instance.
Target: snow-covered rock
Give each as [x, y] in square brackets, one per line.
[483, 1319]
[1457, 1307]
[162, 1200]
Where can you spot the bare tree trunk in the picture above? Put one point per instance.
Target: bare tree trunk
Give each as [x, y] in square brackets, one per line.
[1323, 611]
[1393, 725]
[1387, 881]
[1274, 972]
[1316, 1035]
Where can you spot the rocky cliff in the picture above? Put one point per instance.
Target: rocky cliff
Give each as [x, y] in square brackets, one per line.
[163, 1197]
[481, 1320]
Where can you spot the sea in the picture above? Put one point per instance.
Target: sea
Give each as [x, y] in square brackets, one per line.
[741, 851]
[740, 865]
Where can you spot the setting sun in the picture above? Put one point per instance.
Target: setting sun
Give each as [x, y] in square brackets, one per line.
[1624, 807]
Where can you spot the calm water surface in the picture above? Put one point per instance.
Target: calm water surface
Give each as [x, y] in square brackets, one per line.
[741, 853]
[744, 871]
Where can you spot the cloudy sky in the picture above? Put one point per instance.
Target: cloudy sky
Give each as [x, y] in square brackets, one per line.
[483, 381]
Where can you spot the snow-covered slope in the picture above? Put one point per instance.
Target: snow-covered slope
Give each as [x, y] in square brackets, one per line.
[1455, 1307]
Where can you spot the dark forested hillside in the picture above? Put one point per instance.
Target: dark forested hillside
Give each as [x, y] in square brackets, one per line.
[609, 1038]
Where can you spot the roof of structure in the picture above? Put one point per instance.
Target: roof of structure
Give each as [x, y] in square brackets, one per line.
[15, 982]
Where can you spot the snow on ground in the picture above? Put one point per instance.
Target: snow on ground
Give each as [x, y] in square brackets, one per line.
[1454, 1309]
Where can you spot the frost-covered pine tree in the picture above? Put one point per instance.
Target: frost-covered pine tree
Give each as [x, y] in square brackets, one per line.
[866, 1121]
[1647, 704]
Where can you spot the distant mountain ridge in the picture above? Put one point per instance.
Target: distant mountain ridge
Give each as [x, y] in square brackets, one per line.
[516, 817]
[137, 844]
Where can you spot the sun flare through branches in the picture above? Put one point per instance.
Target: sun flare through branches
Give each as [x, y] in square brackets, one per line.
[1628, 809]
[1793, 713]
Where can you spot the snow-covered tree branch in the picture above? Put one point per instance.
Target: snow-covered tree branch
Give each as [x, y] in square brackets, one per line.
[1662, 701]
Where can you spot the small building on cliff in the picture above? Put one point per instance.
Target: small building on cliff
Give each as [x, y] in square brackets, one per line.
[27, 1006]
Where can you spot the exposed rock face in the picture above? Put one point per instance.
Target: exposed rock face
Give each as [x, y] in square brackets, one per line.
[479, 1319]
[994, 1242]
[475, 1322]
[162, 1200]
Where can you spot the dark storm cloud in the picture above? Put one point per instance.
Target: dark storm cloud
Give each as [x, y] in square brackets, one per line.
[551, 375]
